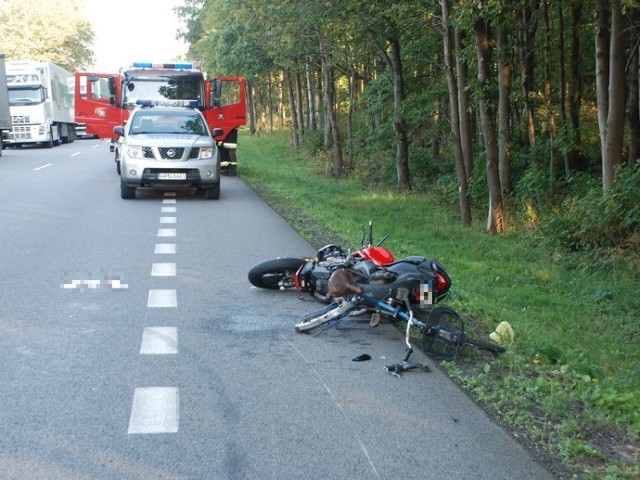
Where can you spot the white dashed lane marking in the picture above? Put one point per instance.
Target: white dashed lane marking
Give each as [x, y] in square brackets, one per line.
[159, 341]
[166, 248]
[166, 232]
[162, 299]
[42, 167]
[155, 410]
[163, 270]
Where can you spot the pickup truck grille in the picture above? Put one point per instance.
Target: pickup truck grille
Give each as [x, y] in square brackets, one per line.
[171, 153]
[165, 153]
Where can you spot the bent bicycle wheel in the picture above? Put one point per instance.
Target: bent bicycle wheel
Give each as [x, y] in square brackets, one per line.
[333, 312]
[444, 333]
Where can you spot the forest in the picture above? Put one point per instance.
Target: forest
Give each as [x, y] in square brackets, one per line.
[526, 111]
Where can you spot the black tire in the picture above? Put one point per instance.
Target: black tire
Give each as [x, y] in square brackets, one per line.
[118, 163]
[212, 193]
[127, 193]
[483, 344]
[49, 143]
[333, 312]
[271, 273]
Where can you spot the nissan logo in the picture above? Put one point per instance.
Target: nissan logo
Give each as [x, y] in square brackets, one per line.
[171, 153]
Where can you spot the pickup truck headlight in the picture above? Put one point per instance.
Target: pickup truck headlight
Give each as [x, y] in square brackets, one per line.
[206, 152]
[134, 151]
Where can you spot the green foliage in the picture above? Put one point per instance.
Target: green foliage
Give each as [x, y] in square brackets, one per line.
[620, 407]
[597, 222]
[52, 31]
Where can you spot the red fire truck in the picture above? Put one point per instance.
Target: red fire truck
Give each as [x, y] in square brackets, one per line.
[104, 100]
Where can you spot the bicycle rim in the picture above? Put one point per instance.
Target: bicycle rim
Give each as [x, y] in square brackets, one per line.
[334, 312]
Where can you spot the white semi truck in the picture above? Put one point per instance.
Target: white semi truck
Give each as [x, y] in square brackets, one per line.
[5, 115]
[42, 104]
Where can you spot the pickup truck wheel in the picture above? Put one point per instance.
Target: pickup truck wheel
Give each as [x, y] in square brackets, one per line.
[127, 193]
[212, 193]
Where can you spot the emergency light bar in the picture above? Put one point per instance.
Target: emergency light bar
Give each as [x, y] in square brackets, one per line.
[167, 103]
[174, 66]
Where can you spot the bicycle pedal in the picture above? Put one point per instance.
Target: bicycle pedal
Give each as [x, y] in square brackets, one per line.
[376, 319]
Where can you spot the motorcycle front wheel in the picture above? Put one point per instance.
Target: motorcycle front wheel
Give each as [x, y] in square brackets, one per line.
[276, 273]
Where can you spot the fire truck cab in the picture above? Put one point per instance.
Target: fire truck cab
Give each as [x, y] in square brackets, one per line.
[105, 100]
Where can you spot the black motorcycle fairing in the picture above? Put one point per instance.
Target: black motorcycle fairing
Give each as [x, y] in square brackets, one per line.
[425, 279]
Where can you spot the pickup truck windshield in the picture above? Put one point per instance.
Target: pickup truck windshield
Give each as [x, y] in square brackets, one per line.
[167, 122]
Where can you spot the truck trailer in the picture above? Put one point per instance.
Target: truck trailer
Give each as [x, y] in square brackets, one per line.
[42, 104]
[5, 115]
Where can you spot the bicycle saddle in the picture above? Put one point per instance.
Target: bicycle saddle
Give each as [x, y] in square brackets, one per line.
[341, 284]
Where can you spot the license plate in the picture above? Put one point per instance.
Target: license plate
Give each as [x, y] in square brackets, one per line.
[172, 176]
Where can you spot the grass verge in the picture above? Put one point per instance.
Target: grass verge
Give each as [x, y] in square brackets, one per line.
[569, 385]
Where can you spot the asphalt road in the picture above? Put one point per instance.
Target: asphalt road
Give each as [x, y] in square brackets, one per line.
[132, 346]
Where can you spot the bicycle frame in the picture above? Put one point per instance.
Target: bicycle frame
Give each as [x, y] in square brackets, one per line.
[443, 341]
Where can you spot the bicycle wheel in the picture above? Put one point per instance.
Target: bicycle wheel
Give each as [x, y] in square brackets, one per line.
[483, 344]
[333, 312]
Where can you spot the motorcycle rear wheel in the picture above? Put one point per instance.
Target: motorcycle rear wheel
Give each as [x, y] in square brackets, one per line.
[272, 274]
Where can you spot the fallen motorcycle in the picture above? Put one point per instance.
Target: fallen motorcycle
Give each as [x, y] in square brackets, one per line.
[311, 275]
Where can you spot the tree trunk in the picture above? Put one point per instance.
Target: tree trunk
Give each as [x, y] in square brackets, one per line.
[548, 90]
[633, 107]
[528, 25]
[504, 113]
[464, 109]
[350, 114]
[399, 122]
[458, 156]
[575, 89]
[270, 88]
[299, 104]
[252, 109]
[311, 112]
[602, 70]
[496, 219]
[281, 111]
[329, 98]
[562, 102]
[295, 130]
[616, 113]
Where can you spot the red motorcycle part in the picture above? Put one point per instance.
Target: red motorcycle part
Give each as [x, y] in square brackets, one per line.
[378, 255]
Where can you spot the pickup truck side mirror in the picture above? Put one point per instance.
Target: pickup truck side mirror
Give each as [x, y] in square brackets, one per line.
[119, 130]
[217, 132]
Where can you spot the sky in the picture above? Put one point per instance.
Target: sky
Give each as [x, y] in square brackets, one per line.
[127, 31]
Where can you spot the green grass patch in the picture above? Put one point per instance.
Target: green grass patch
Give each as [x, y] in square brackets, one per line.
[573, 368]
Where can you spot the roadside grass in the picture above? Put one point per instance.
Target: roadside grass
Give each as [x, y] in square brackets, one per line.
[569, 385]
